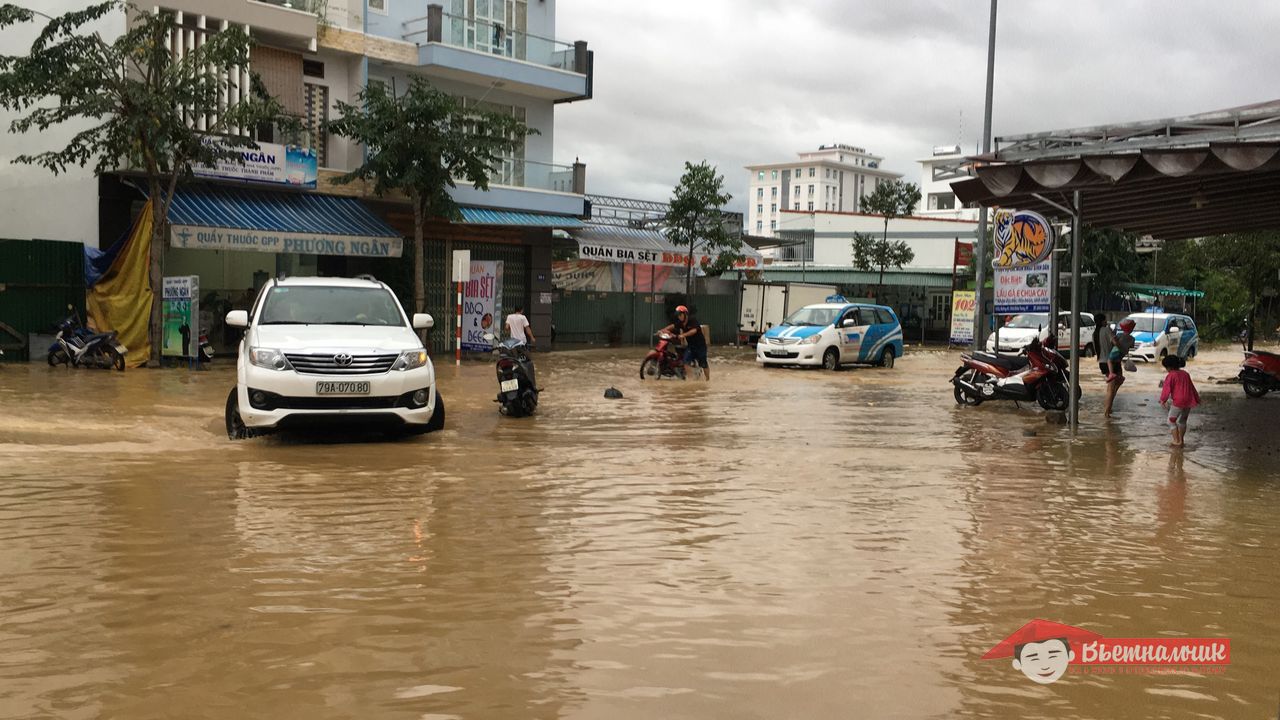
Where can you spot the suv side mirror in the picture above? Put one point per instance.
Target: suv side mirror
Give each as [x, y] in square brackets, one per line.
[238, 318]
[1175, 329]
[423, 321]
[849, 322]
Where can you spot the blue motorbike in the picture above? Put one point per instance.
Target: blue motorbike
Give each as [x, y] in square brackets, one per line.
[76, 345]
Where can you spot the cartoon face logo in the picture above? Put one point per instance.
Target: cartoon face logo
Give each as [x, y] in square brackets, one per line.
[1044, 662]
[1022, 238]
[1042, 649]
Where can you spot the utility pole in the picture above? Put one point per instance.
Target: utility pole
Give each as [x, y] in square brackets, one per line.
[980, 316]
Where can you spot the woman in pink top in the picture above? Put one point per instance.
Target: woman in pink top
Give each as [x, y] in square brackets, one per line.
[1179, 389]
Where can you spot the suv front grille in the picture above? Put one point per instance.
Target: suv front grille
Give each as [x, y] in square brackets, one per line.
[327, 364]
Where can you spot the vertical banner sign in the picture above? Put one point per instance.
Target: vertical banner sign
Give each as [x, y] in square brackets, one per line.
[180, 309]
[1023, 243]
[482, 305]
[963, 305]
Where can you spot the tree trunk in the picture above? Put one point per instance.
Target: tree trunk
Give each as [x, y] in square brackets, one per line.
[419, 260]
[884, 251]
[1253, 316]
[159, 227]
[688, 272]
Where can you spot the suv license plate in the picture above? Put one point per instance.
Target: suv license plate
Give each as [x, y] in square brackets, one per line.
[509, 385]
[342, 388]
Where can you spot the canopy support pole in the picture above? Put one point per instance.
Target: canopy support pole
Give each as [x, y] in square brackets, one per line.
[1074, 389]
[980, 274]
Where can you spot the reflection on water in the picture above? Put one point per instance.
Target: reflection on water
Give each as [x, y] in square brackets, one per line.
[771, 544]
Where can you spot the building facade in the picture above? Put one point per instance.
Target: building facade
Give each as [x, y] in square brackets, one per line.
[311, 54]
[831, 179]
[937, 172]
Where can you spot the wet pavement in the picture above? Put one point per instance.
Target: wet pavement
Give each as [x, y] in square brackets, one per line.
[774, 544]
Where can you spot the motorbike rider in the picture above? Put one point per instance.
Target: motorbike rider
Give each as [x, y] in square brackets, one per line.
[687, 328]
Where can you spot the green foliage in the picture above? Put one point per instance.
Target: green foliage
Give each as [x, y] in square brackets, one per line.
[138, 103]
[1112, 257]
[417, 143]
[420, 141]
[891, 199]
[872, 253]
[696, 218]
[1235, 271]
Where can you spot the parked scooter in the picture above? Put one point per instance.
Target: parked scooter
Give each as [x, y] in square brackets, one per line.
[1038, 373]
[1260, 371]
[74, 344]
[517, 384]
[665, 360]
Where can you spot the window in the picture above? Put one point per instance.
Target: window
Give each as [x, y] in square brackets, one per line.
[760, 175]
[775, 175]
[759, 193]
[773, 224]
[810, 206]
[773, 191]
[886, 317]
[378, 6]
[942, 201]
[759, 226]
[313, 68]
[760, 209]
[813, 171]
[317, 100]
[797, 191]
[810, 193]
[774, 208]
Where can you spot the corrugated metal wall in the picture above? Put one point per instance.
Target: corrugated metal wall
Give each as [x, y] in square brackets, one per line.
[38, 279]
[515, 283]
[591, 317]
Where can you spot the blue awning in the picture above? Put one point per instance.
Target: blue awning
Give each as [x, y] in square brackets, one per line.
[224, 218]
[484, 216]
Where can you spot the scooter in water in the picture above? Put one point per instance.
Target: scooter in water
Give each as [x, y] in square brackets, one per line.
[1260, 373]
[75, 345]
[1038, 373]
[665, 360]
[517, 384]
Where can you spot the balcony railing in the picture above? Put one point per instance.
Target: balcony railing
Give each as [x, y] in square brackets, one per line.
[495, 38]
[315, 7]
[520, 173]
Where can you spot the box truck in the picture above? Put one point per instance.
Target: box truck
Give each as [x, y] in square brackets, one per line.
[767, 304]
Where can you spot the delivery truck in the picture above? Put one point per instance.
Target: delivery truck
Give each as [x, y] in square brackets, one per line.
[767, 304]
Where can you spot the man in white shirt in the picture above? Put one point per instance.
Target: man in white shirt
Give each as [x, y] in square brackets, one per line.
[518, 326]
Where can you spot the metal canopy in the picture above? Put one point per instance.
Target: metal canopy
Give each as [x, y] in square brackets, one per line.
[1180, 178]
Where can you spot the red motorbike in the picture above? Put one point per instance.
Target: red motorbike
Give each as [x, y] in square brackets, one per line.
[1260, 373]
[665, 360]
[1038, 373]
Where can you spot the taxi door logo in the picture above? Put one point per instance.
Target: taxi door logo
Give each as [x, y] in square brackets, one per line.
[1023, 238]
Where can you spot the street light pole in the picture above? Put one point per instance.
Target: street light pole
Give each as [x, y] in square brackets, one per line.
[980, 317]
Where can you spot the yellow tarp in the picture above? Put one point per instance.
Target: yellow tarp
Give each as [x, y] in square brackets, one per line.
[121, 299]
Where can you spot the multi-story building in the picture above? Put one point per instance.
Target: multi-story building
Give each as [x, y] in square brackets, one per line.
[310, 54]
[937, 172]
[831, 179]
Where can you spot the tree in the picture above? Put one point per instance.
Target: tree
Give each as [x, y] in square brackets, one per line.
[891, 199]
[696, 218]
[419, 143]
[870, 253]
[144, 108]
[1242, 268]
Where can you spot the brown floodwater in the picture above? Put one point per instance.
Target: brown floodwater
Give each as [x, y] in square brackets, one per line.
[774, 544]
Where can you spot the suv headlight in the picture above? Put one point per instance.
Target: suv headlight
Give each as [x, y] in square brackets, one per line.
[410, 360]
[269, 358]
[812, 339]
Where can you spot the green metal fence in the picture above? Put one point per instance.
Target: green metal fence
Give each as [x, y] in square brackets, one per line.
[632, 318]
[38, 280]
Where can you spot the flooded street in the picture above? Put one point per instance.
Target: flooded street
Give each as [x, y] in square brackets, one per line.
[774, 544]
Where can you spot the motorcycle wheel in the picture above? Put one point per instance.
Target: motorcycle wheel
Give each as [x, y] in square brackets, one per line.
[115, 359]
[649, 369]
[963, 396]
[57, 357]
[1254, 389]
[1053, 396]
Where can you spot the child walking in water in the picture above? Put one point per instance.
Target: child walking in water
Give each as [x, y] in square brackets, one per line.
[1179, 389]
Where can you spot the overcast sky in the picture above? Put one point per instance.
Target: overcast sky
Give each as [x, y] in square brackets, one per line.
[748, 81]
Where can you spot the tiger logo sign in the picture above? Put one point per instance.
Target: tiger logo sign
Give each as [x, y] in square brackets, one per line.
[1023, 238]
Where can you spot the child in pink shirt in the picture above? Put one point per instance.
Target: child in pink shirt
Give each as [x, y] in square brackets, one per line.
[1179, 389]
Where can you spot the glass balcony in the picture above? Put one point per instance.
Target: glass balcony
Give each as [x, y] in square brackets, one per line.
[495, 38]
[312, 6]
[531, 174]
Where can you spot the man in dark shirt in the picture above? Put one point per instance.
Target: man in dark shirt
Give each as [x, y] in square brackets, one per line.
[687, 327]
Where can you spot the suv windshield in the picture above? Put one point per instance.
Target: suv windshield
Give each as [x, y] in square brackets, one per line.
[321, 305]
[1146, 323]
[819, 316]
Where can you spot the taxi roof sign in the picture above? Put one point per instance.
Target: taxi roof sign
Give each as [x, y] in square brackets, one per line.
[836, 299]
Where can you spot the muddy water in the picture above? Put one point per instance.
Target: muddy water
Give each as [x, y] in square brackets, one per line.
[775, 544]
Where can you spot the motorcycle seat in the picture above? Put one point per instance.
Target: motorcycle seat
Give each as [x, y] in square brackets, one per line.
[1271, 355]
[1008, 363]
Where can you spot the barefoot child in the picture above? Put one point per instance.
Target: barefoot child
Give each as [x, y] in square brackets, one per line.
[1179, 389]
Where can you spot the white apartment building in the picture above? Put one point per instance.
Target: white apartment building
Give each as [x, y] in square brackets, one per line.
[831, 179]
[937, 172]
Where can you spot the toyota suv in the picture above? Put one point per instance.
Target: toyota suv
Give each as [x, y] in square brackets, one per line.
[331, 351]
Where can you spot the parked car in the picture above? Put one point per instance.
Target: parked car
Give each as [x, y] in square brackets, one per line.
[833, 334]
[1016, 334]
[332, 351]
[1156, 335]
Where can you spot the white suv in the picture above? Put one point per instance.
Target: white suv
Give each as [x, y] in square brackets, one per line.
[331, 351]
